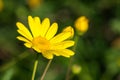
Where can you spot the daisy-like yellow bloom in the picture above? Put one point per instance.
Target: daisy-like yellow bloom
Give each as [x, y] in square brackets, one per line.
[42, 38]
[81, 24]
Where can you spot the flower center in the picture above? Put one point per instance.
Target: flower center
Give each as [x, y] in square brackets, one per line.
[41, 43]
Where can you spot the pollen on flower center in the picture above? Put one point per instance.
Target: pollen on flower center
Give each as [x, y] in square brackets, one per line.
[41, 43]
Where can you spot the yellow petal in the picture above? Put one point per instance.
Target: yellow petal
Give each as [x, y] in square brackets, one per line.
[63, 52]
[36, 49]
[62, 45]
[23, 39]
[69, 29]
[67, 53]
[52, 31]
[48, 54]
[55, 52]
[45, 26]
[22, 28]
[28, 45]
[34, 24]
[60, 37]
[37, 26]
[27, 42]
[25, 35]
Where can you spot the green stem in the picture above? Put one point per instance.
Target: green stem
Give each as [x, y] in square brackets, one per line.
[44, 73]
[68, 70]
[35, 68]
[76, 38]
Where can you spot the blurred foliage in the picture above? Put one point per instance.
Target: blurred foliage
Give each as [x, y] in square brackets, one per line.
[97, 52]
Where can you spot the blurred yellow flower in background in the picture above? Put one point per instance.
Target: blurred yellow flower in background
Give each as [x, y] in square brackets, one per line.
[76, 69]
[81, 25]
[42, 39]
[34, 3]
[1, 5]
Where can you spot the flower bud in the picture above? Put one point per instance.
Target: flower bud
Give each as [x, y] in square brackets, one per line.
[34, 3]
[76, 69]
[81, 25]
[1, 5]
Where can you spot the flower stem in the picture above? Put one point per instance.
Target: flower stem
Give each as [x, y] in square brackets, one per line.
[76, 38]
[35, 68]
[44, 73]
[68, 70]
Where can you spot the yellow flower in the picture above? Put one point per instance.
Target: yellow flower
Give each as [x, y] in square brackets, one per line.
[1, 5]
[34, 3]
[81, 24]
[42, 38]
[76, 69]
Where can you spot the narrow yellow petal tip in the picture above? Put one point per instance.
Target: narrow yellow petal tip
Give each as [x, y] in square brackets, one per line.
[46, 20]
[28, 45]
[29, 16]
[73, 54]
[48, 55]
[18, 24]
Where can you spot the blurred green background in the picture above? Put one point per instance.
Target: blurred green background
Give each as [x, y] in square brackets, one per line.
[97, 52]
